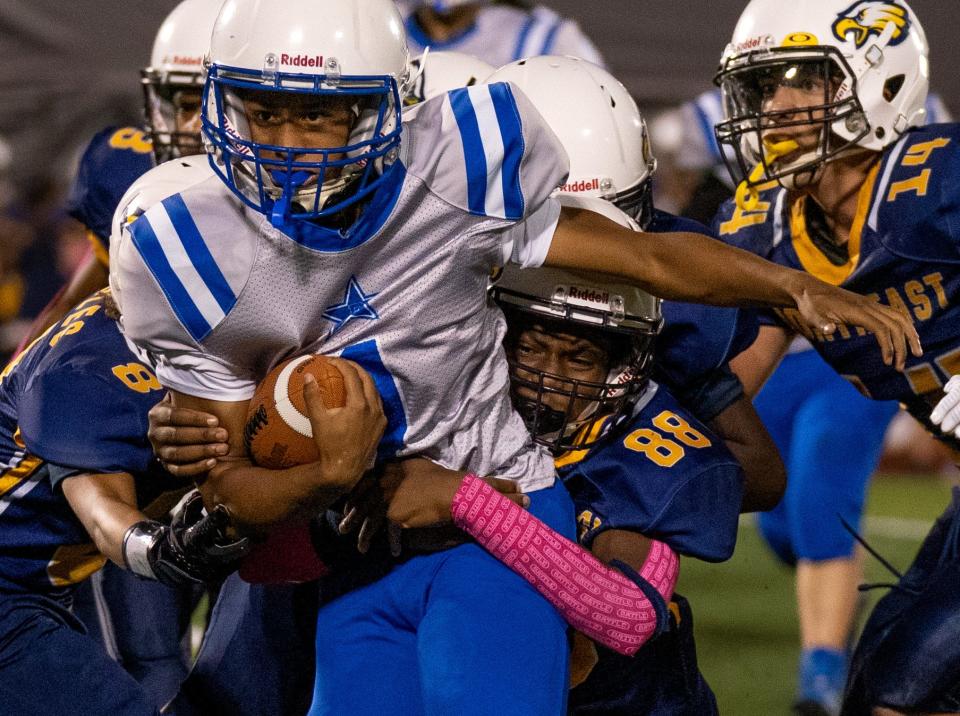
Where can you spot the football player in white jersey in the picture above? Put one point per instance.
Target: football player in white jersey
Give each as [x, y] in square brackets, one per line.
[314, 228]
[496, 32]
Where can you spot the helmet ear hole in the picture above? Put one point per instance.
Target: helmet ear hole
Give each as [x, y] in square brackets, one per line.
[892, 87]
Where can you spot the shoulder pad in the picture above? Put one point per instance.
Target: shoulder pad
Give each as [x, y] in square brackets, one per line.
[181, 252]
[486, 150]
[916, 206]
[756, 230]
[112, 161]
[662, 474]
[160, 182]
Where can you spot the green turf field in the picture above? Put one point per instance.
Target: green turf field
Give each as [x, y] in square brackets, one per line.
[744, 612]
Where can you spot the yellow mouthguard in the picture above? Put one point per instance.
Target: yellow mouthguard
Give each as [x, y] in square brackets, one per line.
[747, 195]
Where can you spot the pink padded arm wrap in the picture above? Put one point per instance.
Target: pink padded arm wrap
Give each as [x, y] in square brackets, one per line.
[594, 598]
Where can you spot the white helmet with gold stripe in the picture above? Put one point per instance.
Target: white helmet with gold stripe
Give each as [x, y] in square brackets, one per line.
[807, 81]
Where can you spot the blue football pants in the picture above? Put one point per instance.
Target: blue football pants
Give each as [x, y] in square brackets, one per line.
[452, 632]
[830, 438]
[49, 665]
[142, 624]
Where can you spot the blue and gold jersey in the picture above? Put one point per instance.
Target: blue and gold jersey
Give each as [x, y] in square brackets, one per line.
[114, 159]
[904, 250]
[661, 473]
[697, 342]
[75, 401]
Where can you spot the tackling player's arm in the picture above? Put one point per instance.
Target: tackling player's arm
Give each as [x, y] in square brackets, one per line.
[756, 364]
[715, 273]
[346, 438]
[640, 580]
[194, 548]
[765, 477]
[107, 507]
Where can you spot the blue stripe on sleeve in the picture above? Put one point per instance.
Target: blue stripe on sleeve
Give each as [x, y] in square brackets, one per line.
[511, 131]
[145, 240]
[474, 158]
[522, 38]
[198, 252]
[551, 37]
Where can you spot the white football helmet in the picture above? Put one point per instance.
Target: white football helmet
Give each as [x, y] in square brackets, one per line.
[867, 61]
[436, 73]
[601, 128]
[173, 81]
[622, 318]
[351, 53]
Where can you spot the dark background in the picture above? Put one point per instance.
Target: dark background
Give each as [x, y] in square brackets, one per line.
[69, 68]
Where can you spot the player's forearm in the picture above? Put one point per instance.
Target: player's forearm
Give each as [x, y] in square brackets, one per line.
[109, 531]
[561, 570]
[257, 497]
[106, 508]
[715, 273]
[765, 478]
[678, 266]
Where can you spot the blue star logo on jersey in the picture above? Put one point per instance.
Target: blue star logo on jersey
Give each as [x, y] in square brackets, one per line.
[355, 305]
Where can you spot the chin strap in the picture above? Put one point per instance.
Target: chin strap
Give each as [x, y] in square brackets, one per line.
[747, 195]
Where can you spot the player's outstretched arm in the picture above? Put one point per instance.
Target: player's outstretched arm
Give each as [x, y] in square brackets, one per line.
[692, 267]
[194, 548]
[346, 438]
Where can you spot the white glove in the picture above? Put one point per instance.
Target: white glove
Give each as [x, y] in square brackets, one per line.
[946, 414]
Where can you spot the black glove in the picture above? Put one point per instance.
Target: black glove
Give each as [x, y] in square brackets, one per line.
[194, 549]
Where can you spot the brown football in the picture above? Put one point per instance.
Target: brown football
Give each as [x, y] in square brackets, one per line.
[278, 433]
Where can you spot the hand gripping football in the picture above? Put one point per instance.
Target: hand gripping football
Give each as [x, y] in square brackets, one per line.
[278, 435]
[277, 432]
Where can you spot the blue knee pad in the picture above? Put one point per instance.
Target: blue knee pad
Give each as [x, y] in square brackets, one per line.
[775, 531]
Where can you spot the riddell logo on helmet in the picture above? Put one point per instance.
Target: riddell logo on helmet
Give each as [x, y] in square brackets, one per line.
[182, 60]
[754, 43]
[582, 185]
[588, 295]
[301, 60]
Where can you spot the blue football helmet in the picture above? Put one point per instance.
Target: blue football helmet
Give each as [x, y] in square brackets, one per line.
[339, 55]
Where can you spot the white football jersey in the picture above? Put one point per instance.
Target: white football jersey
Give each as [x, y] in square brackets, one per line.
[217, 296]
[502, 34]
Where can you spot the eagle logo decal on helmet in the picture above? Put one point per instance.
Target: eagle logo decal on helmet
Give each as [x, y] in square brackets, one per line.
[868, 18]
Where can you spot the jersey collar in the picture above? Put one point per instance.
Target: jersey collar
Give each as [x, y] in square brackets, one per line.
[372, 219]
[811, 258]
